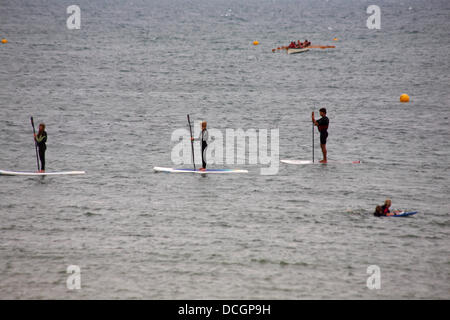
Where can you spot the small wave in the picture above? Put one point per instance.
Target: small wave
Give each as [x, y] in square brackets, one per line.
[89, 214]
[302, 264]
[281, 262]
[441, 223]
[409, 236]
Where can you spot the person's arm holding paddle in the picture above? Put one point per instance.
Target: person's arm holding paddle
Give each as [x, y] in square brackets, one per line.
[313, 119]
[41, 136]
[40, 139]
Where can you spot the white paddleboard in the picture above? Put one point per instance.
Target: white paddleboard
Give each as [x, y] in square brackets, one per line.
[317, 162]
[173, 170]
[16, 173]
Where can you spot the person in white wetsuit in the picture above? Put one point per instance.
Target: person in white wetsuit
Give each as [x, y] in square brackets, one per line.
[203, 137]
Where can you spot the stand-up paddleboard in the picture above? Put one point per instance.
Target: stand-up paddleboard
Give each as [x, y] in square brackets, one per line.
[404, 214]
[17, 173]
[317, 162]
[174, 170]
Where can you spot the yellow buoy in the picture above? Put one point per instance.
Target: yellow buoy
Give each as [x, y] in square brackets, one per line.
[4, 41]
[256, 42]
[404, 98]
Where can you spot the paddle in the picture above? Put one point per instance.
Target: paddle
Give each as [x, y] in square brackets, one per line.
[192, 142]
[35, 144]
[313, 142]
[320, 47]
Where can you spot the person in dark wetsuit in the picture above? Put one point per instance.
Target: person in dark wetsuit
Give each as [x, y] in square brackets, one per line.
[203, 137]
[322, 126]
[41, 139]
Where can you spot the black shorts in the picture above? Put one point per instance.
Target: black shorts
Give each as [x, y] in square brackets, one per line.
[323, 137]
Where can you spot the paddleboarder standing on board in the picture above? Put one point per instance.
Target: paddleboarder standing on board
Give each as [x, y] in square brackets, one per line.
[41, 139]
[322, 126]
[203, 137]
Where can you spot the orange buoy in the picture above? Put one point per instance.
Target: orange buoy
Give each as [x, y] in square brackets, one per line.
[4, 41]
[256, 42]
[404, 98]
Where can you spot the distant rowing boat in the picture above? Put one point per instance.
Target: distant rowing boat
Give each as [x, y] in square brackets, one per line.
[299, 50]
[295, 50]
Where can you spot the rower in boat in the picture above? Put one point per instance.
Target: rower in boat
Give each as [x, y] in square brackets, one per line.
[292, 45]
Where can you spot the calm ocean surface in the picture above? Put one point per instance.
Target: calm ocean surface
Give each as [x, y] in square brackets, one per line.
[112, 93]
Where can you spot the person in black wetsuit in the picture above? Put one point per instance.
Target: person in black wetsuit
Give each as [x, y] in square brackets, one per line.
[203, 137]
[41, 139]
[322, 126]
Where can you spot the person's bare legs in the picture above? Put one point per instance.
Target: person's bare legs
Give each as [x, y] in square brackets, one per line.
[324, 152]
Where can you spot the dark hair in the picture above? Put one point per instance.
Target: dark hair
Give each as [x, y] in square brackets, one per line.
[323, 110]
[378, 211]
